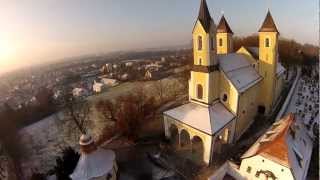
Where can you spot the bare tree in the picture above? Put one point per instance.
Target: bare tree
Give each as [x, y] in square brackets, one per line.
[160, 88]
[129, 112]
[76, 109]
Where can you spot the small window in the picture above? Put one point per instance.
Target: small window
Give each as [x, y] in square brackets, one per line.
[262, 160]
[267, 42]
[199, 43]
[243, 112]
[253, 65]
[199, 91]
[200, 61]
[212, 43]
[224, 98]
[249, 169]
[220, 42]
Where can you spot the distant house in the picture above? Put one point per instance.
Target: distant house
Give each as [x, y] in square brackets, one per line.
[124, 77]
[154, 75]
[98, 87]
[78, 92]
[109, 82]
[129, 64]
[103, 83]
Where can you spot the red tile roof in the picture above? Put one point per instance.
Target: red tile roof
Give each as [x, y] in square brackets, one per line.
[277, 147]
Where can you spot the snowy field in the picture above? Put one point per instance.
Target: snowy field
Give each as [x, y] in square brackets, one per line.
[45, 139]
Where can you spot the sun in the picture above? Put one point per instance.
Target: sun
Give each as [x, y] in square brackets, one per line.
[6, 50]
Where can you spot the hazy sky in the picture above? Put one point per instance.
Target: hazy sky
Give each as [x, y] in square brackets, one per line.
[35, 31]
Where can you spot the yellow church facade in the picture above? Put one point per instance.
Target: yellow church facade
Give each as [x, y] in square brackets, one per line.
[227, 88]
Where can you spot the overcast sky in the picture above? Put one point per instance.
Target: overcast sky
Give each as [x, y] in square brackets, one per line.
[35, 31]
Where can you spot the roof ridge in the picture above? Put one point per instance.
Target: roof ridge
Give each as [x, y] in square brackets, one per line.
[279, 137]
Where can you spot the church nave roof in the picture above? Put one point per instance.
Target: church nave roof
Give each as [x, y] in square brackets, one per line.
[239, 71]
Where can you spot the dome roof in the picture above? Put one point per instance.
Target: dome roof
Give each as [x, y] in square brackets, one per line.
[96, 164]
[85, 139]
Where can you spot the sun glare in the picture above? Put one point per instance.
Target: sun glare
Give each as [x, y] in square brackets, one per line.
[6, 50]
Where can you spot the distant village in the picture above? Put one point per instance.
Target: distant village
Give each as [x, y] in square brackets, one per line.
[87, 79]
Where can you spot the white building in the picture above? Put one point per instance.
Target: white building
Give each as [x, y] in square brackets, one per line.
[109, 82]
[77, 92]
[94, 163]
[97, 87]
[283, 152]
[129, 64]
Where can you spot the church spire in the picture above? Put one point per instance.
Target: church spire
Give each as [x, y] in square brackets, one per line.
[204, 16]
[268, 24]
[223, 26]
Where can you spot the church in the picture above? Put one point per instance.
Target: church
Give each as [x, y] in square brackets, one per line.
[227, 88]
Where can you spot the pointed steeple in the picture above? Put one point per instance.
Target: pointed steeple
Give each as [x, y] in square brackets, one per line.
[223, 26]
[204, 16]
[268, 24]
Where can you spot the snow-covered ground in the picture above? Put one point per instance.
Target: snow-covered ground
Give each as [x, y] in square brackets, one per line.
[45, 139]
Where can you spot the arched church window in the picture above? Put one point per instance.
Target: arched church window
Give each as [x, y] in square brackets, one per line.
[199, 43]
[199, 91]
[267, 42]
[220, 42]
[200, 61]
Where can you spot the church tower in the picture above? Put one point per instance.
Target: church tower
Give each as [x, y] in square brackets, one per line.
[268, 59]
[224, 37]
[203, 84]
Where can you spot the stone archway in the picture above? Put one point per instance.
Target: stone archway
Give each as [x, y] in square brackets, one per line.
[185, 139]
[174, 135]
[197, 149]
